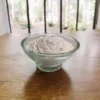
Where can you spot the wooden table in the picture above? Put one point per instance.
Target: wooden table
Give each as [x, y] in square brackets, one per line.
[79, 78]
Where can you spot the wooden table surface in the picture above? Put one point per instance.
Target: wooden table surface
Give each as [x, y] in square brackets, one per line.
[79, 78]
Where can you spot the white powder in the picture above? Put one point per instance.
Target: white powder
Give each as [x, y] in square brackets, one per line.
[50, 44]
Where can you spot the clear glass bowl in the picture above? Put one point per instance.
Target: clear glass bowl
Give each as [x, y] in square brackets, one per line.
[49, 62]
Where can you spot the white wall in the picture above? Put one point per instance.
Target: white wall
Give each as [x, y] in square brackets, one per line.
[98, 18]
[4, 24]
[1, 20]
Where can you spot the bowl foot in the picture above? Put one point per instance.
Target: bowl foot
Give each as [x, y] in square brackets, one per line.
[49, 69]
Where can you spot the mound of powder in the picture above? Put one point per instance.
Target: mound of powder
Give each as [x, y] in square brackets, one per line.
[50, 44]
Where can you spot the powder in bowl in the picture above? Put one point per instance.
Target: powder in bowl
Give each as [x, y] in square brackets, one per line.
[51, 44]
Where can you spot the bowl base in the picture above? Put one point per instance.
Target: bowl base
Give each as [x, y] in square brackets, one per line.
[49, 69]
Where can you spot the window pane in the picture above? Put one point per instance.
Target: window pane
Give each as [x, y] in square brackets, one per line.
[36, 16]
[53, 16]
[69, 15]
[86, 14]
[17, 10]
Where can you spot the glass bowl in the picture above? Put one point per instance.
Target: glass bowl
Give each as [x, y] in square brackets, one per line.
[49, 62]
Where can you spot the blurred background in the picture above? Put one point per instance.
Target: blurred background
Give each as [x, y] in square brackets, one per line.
[18, 15]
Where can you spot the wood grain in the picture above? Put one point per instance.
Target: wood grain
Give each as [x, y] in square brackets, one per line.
[79, 78]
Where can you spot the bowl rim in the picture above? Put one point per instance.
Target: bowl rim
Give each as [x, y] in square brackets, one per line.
[48, 54]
